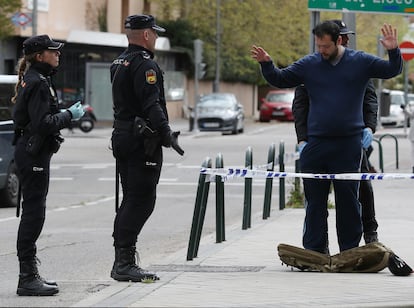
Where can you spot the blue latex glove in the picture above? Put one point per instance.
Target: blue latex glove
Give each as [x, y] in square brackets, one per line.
[76, 110]
[301, 146]
[366, 137]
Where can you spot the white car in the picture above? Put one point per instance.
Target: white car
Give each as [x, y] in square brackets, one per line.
[391, 112]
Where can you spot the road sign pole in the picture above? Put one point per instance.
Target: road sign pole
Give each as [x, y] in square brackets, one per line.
[406, 70]
[34, 18]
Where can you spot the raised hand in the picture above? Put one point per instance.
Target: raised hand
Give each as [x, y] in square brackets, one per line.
[259, 54]
[389, 39]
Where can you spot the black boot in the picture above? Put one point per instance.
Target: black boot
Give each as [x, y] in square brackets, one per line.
[49, 282]
[126, 269]
[30, 282]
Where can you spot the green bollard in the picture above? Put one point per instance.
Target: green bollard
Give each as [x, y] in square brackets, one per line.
[199, 212]
[247, 204]
[282, 180]
[297, 170]
[380, 153]
[396, 147]
[269, 182]
[220, 226]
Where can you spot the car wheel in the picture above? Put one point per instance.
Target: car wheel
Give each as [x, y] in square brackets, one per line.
[264, 120]
[234, 131]
[86, 125]
[9, 194]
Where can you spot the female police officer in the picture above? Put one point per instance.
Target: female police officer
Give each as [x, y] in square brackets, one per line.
[37, 123]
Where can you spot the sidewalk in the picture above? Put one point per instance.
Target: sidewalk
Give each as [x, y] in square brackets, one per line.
[245, 270]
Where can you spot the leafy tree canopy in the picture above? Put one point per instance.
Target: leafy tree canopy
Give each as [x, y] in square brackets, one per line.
[282, 27]
[7, 9]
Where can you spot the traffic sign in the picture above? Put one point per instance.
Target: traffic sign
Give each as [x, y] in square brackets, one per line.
[21, 19]
[405, 7]
[407, 50]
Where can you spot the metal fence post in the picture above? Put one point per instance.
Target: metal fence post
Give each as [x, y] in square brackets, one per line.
[199, 212]
[220, 227]
[297, 170]
[381, 157]
[396, 147]
[247, 205]
[269, 182]
[281, 180]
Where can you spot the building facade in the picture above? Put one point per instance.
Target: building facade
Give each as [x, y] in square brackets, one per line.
[93, 33]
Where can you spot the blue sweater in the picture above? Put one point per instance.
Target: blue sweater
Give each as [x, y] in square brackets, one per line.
[336, 92]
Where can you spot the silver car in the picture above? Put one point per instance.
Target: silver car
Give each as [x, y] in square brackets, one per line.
[220, 112]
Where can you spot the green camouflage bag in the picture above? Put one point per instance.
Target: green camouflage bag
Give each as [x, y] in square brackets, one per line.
[370, 258]
[304, 259]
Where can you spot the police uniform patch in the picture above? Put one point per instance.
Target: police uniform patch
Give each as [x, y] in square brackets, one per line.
[151, 76]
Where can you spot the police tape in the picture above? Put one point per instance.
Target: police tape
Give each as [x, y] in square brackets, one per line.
[229, 173]
[287, 157]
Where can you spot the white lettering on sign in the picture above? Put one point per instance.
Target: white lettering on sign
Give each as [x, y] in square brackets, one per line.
[408, 2]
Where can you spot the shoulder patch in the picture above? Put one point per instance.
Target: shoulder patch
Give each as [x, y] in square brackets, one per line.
[151, 76]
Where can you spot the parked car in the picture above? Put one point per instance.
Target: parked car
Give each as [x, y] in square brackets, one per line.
[9, 182]
[391, 112]
[277, 105]
[220, 112]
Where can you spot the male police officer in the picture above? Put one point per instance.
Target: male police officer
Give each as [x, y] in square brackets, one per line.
[140, 129]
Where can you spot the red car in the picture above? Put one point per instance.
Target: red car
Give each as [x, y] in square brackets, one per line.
[277, 105]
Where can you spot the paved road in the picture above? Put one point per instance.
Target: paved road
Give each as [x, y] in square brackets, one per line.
[243, 271]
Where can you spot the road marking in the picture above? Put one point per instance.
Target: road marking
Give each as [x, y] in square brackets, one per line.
[60, 179]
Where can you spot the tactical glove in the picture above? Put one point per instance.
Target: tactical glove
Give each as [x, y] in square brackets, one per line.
[76, 110]
[174, 143]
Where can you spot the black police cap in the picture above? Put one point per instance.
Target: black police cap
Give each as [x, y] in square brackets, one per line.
[142, 22]
[39, 43]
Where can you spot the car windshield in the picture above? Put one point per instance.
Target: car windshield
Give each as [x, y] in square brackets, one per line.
[6, 93]
[397, 99]
[286, 97]
[216, 102]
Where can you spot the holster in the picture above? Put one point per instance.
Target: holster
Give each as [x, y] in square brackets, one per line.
[141, 129]
[152, 139]
[55, 143]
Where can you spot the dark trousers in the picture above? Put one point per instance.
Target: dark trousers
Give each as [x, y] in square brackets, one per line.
[139, 179]
[34, 173]
[331, 155]
[366, 198]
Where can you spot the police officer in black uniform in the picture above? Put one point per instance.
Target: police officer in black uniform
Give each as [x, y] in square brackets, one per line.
[141, 128]
[37, 121]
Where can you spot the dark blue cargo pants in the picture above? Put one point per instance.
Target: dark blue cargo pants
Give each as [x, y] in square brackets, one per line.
[332, 155]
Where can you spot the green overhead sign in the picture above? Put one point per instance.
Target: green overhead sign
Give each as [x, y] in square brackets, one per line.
[365, 6]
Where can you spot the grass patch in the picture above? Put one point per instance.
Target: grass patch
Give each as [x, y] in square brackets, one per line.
[297, 198]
